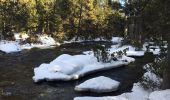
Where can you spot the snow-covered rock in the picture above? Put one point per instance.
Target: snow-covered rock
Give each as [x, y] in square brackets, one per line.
[138, 93]
[160, 95]
[67, 67]
[19, 36]
[99, 85]
[47, 40]
[100, 98]
[9, 46]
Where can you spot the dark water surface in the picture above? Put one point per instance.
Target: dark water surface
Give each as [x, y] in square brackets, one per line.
[16, 71]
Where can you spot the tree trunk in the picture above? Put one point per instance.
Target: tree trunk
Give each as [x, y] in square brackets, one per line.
[79, 22]
[166, 75]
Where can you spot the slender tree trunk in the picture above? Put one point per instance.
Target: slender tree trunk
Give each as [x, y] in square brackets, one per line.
[80, 18]
[166, 77]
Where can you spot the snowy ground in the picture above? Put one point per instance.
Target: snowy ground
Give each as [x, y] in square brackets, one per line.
[160, 95]
[114, 40]
[99, 84]
[138, 93]
[16, 46]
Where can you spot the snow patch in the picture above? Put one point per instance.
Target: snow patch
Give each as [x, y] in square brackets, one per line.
[130, 50]
[100, 98]
[138, 93]
[99, 85]
[160, 95]
[9, 46]
[117, 39]
[16, 46]
[47, 40]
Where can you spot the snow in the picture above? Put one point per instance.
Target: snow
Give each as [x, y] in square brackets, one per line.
[130, 50]
[127, 59]
[117, 39]
[9, 46]
[113, 40]
[100, 98]
[150, 76]
[44, 39]
[47, 40]
[138, 93]
[160, 95]
[135, 53]
[19, 36]
[67, 67]
[35, 45]
[16, 46]
[99, 84]
[150, 48]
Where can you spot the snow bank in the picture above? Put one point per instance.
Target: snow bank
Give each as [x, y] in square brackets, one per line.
[99, 85]
[138, 93]
[35, 45]
[100, 98]
[47, 40]
[130, 50]
[9, 46]
[160, 95]
[67, 67]
[15, 46]
[117, 39]
[113, 40]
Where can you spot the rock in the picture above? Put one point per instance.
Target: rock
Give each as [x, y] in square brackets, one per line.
[2, 53]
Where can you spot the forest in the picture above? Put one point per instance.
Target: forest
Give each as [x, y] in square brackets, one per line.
[57, 47]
